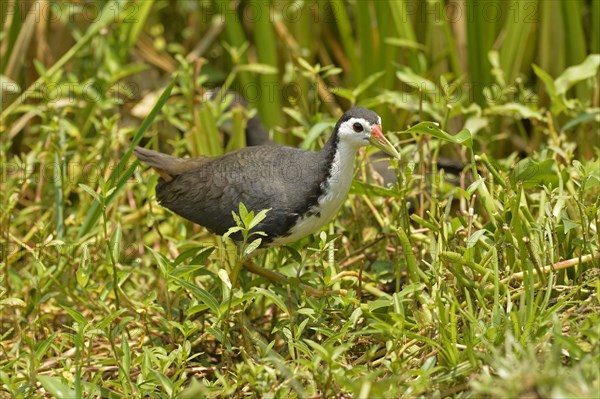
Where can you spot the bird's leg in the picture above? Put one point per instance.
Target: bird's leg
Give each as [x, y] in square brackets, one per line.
[280, 278]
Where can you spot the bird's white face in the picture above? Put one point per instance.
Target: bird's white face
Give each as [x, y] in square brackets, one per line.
[359, 132]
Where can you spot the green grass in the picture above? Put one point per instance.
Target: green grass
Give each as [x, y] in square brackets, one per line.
[488, 289]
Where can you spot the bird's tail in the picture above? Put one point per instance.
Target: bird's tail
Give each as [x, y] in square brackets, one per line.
[167, 166]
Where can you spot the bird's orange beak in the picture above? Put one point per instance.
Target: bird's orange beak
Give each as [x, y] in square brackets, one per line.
[379, 141]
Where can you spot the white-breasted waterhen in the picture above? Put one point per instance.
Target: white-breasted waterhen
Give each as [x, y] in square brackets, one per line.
[257, 134]
[303, 189]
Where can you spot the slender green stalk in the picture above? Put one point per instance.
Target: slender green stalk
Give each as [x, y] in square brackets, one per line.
[345, 29]
[270, 86]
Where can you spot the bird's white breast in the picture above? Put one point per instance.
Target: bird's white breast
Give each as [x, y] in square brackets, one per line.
[336, 189]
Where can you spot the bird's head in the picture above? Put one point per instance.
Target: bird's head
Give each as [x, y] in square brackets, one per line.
[359, 127]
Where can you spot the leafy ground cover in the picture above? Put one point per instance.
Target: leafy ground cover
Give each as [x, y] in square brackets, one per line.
[488, 287]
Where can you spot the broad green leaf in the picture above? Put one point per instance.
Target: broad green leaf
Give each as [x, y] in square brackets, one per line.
[243, 212]
[12, 302]
[186, 271]
[222, 273]
[161, 261]
[320, 350]
[372, 190]
[378, 304]
[533, 173]
[304, 64]
[84, 269]
[546, 79]
[410, 289]
[277, 300]
[463, 137]
[232, 230]
[200, 294]
[188, 253]
[512, 109]
[78, 317]
[260, 216]
[294, 254]
[42, 348]
[252, 246]
[202, 256]
[56, 387]
[569, 224]
[248, 219]
[590, 115]
[475, 237]
[110, 191]
[126, 359]
[91, 192]
[331, 72]
[476, 123]
[345, 93]
[201, 307]
[109, 318]
[237, 219]
[115, 242]
[164, 382]
[407, 76]
[473, 186]
[558, 101]
[575, 74]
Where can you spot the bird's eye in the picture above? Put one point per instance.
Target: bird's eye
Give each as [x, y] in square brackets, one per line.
[357, 127]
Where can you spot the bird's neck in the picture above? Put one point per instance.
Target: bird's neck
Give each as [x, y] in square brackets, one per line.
[340, 157]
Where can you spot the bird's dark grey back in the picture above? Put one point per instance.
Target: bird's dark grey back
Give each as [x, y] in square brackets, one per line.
[285, 179]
